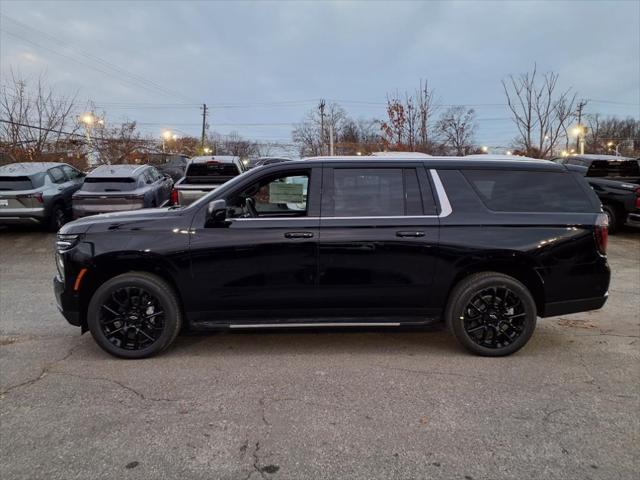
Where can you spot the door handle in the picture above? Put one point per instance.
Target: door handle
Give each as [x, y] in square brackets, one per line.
[298, 235]
[410, 234]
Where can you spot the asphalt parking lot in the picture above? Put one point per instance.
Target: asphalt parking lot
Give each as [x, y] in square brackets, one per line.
[341, 404]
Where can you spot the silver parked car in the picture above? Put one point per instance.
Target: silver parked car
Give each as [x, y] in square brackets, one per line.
[117, 188]
[33, 193]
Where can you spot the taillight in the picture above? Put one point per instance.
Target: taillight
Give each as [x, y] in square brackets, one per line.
[601, 233]
[638, 198]
[36, 196]
[173, 198]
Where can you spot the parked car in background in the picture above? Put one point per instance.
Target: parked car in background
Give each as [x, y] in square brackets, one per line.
[485, 245]
[38, 193]
[116, 188]
[616, 181]
[203, 175]
[170, 164]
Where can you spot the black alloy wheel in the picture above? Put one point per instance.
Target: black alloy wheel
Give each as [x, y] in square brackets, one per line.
[494, 317]
[134, 315]
[491, 314]
[132, 318]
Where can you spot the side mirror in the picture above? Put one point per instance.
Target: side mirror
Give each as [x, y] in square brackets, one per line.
[217, 212]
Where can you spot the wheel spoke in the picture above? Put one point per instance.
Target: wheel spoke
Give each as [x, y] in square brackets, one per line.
[129, 305]
[496, 309]
[109, 309]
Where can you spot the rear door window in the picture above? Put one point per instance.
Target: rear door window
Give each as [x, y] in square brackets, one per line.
[529, 191]
[379, 192]
[57, 175]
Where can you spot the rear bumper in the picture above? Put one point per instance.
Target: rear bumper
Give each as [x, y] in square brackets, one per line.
[22, 216]
[86, 212]
[633, 219]
[574, 306]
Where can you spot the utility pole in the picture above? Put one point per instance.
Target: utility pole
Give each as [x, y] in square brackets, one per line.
[321, 107]
[331, 140]
[204, 125]
[580, 139]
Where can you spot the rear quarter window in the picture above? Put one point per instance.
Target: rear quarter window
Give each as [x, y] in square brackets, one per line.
[529, 191]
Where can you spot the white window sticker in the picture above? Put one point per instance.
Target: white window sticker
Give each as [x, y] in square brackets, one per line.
[280, 192]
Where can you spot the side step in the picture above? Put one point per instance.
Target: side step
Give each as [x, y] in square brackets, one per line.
[313, 325]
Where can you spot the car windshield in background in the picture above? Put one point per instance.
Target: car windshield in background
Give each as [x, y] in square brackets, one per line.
[21, 183]
[526, 191]
[614, 168]
[212, 170]
[108, 184]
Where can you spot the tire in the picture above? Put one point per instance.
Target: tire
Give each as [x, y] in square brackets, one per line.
[122, 325]
[486, 319]
[57, 218]
[610, 212]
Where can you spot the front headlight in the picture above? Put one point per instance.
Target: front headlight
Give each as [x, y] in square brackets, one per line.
[60, 265]
[66, 241]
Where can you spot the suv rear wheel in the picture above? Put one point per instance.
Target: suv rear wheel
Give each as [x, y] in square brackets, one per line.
[491, 314]
[134, 315]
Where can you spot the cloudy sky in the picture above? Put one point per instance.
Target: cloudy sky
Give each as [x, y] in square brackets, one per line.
[261, 65]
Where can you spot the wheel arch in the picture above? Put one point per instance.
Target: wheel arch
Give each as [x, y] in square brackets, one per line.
[107, 266]
[518, 268]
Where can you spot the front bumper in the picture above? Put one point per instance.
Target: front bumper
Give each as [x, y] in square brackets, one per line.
[67, 302]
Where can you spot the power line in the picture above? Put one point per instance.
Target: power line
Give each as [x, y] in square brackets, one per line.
[120, 74]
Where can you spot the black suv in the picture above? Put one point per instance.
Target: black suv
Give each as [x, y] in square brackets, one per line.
[486, 245]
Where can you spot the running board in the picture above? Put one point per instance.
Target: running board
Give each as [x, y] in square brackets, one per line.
[313, 325]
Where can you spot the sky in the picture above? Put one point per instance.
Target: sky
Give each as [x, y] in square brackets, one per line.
[261, 66]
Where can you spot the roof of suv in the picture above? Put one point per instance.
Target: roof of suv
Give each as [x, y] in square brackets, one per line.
[484, 161]
[27, 168]
[124, 170]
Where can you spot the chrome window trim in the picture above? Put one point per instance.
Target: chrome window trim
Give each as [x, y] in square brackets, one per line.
[445, 208]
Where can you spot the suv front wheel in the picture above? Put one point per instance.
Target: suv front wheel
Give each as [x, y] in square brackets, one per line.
[491, 314]
[134, 315]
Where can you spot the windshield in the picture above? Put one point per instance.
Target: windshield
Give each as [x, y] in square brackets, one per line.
[220, 190]
[21, 183]
[212, 170]
[614, 168]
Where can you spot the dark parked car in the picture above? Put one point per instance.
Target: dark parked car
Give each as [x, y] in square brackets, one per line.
[486, 245]
[616, 181]
[169, 164]
[203, 175]
[116, 188]
[37, 193]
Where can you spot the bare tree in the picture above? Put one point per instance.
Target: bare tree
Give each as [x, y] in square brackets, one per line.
[120, 144]
[36, 119]
[613, 134]
[308, 135]
[541, 115]
[457, 127]
[408, 120]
